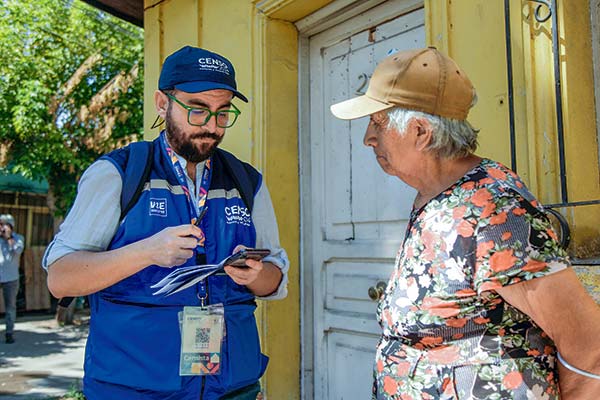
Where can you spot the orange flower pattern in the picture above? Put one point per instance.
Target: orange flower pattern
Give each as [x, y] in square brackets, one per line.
[446, 333]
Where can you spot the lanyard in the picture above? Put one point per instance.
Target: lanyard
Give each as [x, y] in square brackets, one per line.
[197, 211]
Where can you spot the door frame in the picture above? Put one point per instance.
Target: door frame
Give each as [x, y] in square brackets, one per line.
[334, 16]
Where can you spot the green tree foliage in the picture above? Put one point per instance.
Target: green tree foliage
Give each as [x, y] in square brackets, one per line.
[71, 89]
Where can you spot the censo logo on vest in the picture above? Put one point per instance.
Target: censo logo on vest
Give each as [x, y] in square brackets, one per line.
[237, 215]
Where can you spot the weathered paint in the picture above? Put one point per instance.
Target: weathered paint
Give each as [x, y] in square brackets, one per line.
[289, 10]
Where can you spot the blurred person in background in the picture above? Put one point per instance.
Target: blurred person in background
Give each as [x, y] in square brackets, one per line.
[12, 245]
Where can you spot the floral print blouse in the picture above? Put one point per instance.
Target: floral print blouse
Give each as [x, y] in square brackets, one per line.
[446, 333]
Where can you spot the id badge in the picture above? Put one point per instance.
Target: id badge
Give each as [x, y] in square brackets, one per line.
[201, 338]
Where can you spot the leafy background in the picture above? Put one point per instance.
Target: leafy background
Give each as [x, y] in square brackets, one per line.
[71, 89]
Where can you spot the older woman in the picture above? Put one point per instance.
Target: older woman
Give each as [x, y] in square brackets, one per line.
[482, 295]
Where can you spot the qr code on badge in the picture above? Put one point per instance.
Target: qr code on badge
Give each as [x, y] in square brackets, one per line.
[202, 338]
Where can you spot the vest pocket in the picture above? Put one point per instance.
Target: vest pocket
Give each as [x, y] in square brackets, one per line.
[243, 363]
[135, 346]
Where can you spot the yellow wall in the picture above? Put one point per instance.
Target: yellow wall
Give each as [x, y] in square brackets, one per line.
[162, 36]
[472, 33]
[276, 130]
[580, 127]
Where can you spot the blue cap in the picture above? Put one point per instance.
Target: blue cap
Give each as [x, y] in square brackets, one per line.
[192, 70]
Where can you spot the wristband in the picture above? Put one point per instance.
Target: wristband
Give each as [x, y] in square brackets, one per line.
[576, 370]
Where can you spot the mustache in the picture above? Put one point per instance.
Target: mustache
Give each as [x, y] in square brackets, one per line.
[205, 135]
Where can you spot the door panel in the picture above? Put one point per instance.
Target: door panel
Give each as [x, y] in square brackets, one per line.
[358, 213]
[336, 198]
[348, 283]
[355, 352]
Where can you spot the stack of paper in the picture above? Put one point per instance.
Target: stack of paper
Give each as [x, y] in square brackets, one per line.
[183, 278]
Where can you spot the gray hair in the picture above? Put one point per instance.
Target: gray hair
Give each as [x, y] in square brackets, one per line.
[452, 138]
[8, 219]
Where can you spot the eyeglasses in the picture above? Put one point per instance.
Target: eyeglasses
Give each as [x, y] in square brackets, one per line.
[200, 116]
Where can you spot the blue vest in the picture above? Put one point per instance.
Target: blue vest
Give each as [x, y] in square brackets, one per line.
[134, 340]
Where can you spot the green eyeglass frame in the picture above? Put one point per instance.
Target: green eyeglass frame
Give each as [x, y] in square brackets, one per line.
[224, 118]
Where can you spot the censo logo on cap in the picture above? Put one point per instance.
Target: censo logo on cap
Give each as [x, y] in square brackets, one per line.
[212, 64]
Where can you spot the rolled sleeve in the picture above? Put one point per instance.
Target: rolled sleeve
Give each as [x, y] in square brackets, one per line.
[94, 218]
[517, 244]
[267, 236]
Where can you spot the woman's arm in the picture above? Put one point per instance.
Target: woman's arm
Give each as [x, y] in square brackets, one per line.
[561, 306]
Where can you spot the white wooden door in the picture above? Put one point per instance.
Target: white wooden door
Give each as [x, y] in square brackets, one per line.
[355, 215]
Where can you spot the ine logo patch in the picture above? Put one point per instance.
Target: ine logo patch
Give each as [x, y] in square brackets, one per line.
[158, 207]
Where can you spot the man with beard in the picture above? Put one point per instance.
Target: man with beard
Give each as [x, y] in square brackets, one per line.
[191, 211]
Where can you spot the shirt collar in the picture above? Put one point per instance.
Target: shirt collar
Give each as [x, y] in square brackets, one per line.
[199, 166]
[183, 163]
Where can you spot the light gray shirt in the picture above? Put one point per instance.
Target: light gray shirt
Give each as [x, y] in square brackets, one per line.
[94, 218]
[10, 258]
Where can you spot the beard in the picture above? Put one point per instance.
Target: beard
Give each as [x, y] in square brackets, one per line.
[183, 144]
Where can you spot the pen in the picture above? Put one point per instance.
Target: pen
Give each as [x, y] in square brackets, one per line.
[197, 223]
[202, 214]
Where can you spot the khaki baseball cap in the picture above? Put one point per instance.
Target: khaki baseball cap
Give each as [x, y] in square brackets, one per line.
[422, 80]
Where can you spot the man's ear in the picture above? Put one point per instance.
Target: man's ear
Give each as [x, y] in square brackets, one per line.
[161, 102]
[423, 133]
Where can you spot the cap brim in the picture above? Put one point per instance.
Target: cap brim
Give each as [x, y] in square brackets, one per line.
[203, 86]
[358, 107]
